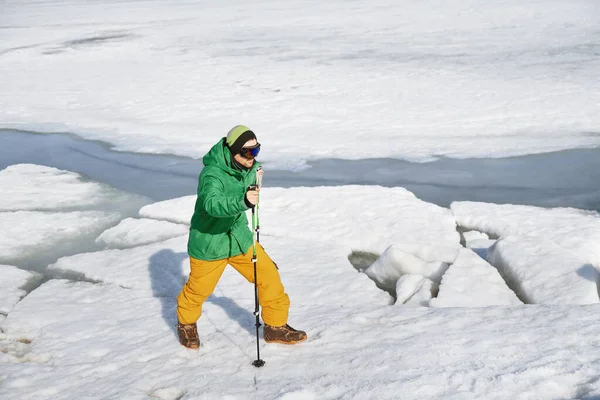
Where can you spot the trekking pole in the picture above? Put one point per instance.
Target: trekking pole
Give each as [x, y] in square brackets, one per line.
[256, 228]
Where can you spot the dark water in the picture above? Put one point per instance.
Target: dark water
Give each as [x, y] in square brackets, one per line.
[564, 178]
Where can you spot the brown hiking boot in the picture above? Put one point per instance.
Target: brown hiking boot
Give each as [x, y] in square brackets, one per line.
[188, 335]
[283, 334]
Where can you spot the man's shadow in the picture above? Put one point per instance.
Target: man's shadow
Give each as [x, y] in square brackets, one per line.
[167, 277]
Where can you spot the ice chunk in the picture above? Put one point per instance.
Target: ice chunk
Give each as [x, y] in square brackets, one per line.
[371, 221]
[542, 272]
[423, 295]
[11, 286]
[368, 218]
[573, 230]
[471, 236]
[133, 232]
[394, 263]
[27, 234]
[471, 282]
[414, 289]
[40, 188]
[160, 268]
[179, 210]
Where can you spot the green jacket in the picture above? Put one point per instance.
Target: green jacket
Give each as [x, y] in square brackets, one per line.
[219, 227]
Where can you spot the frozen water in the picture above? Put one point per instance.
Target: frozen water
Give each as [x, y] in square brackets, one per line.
[368, 218]
[11, 287]
[133, 232]
[413, 289]
[117, 343]
[542, 272]
[394, 263]
[40, 188]
[545, 255]
[46, 213]
[120, 331]
[178, 211]
[382, 79]
[28, 234]
[552, 179]
[471, 282]
[573, 230]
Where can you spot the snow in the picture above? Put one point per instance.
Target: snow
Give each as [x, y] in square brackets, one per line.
[574, 230]
[406, 80]
[178, 211]
[472, 237]
[548, 255]
[352, 215]
[471, 282]
[416, 81]
[118, 344]
[26, 234]
[367, 218]
[413, 289]
[543, 272]
[46, 212]
[11, 284]
[117, 334]
[479, 242]
[394, 262]
[132, 232]
[40, 188]
[161, 268]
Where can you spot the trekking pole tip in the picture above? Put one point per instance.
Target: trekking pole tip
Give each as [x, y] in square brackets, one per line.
[258, 363]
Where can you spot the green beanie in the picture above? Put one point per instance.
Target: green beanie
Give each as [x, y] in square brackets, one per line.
[237, 137]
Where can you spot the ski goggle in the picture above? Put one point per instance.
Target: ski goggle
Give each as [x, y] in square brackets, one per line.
[250, 152]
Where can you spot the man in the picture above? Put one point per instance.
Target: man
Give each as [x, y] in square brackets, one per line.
[219, 235]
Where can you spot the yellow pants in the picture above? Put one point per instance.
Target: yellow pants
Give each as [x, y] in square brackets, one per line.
[204, 276]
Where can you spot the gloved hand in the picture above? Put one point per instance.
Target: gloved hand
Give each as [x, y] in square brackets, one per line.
[251, 198]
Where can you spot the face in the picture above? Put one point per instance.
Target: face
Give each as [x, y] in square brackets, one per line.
[245, 161]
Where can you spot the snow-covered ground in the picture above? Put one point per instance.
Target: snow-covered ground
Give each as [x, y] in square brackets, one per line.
[479, 301]
[314, 79]
[115, 333]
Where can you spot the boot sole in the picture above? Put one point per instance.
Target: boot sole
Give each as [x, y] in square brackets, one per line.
[190, 347]
[282, 342]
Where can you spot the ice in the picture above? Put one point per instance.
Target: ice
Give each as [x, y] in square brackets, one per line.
[177, 210]
[542, 272]
[471, 282]
[412, 289]
[421, 238]
[573, 230]
[40, 188]
[381, 79]
[28, 234]
[327, 237]
[11, 287]
[353, 216]
[423, 295]
[162, 269]
[474, 236]
[394, 263]
[133, 232]
[546, 255]
[479, 242]
[118, 338]
[46, 213]
[368, 218]
[119, 344]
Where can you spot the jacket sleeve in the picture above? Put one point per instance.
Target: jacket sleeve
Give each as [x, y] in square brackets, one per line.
[216, 203]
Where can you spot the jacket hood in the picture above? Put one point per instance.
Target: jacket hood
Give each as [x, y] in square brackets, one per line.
[219, 156]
